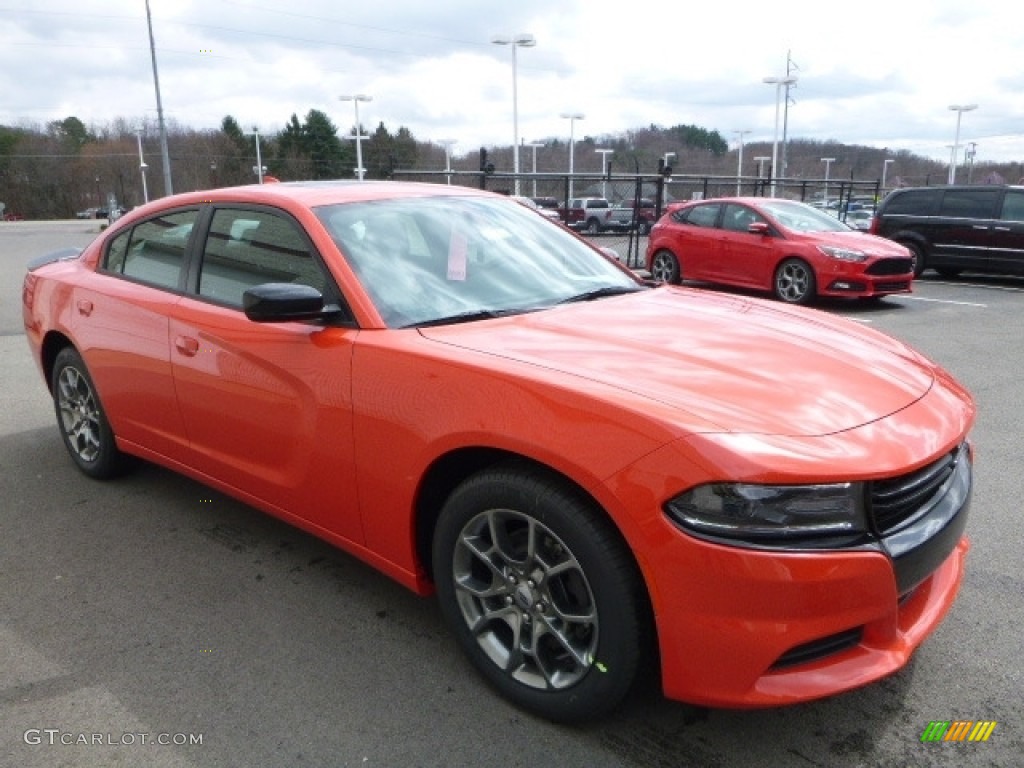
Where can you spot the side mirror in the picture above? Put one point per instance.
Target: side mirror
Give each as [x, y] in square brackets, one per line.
[759, 228]
[282, 302]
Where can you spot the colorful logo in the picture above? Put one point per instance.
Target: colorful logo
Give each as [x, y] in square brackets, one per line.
[958, 730]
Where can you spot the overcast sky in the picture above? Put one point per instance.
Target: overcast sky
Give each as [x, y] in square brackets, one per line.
[870, 72]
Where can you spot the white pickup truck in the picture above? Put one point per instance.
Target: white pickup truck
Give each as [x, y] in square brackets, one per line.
[592, 215]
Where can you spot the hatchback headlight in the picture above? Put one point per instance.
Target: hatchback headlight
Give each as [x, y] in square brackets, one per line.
[763, 513]
[843, 254]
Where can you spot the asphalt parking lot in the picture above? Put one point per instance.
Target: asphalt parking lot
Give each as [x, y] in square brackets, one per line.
[153, 609]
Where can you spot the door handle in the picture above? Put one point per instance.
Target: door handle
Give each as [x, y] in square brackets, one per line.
[186, 345]
[84, 307]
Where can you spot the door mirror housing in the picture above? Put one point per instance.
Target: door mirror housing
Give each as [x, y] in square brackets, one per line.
[282, 302]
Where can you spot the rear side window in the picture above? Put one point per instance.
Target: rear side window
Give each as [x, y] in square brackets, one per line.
[700, 215]
[920, 202]
[152, 251]
[248, 248]
[970, 203]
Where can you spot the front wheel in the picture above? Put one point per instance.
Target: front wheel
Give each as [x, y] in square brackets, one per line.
[540, 591]
[665, 268]
[83, 424]
[794, 282]
[593, 227]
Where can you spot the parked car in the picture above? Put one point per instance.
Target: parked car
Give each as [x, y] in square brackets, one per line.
[624, 217]
[859, 219]
[592, 215]
[529, 202]
[955, 228]
[789, 248]
[593, 473]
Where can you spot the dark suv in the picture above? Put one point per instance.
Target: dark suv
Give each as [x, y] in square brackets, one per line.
[956, 228]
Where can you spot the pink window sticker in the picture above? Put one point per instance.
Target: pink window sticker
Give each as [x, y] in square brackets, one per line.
[457, 248]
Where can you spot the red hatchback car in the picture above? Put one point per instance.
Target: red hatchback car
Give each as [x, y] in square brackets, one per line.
[593, 473]
[791, 249]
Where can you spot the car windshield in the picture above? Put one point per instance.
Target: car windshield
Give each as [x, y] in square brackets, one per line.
[802, 218]
[432, 260]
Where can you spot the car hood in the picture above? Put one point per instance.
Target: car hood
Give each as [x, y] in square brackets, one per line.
[722, 363]
[856, 239]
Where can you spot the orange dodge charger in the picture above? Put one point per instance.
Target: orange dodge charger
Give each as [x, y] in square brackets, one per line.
[594, 473]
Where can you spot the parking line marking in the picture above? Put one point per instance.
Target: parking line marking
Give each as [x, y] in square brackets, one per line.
[945, 301]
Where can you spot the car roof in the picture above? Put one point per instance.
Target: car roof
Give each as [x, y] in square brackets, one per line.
[316, 193]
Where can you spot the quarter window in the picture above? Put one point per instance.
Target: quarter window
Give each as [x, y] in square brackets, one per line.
[248, 248]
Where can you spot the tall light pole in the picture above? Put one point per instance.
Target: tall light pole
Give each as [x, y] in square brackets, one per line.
[355, 99]
[604, 169]
[447, 144]
[534, 146]
[142, 167]
[259, 157]
[522, 40]
[572, 117]
[959, 109]
[824, 195]
[739, 162]
[885, 167]
[168, 189]
[779, 83]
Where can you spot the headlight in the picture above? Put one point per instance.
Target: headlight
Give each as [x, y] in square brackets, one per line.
[772, 514]
[843, 254]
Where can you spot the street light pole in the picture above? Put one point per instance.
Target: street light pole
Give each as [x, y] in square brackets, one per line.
[168, 189]
[828, 164]
[572, 117]
[259, 157]
[885, 168]
[534, 146]
[142, 167]
[959, 109]
[739, 162]
[447, 144]
[522, 40]
[779, 83]
[360, 171]
[604, 169]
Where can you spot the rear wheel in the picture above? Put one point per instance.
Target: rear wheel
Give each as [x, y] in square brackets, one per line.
[665, 268]
[540, 592]
[83, 424]
[794, 282]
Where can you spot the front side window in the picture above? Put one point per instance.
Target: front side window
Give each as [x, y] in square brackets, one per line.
[738, 218]
[152, 251]
[1013, 206]
[246, 248]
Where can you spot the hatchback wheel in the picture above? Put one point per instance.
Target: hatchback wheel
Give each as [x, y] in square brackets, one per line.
[794, 282]
[83, 424]
[665, 268]
[540, 591]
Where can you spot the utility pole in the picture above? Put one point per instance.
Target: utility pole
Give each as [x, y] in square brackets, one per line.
[168, 190]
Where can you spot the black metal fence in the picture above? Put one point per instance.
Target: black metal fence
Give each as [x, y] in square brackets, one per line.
[657, 190]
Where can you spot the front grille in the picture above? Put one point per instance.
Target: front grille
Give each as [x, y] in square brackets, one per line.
[898, 499]
[891, 267]
[817, 649]
[899, 285]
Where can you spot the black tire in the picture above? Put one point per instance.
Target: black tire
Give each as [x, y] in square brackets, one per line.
[665, 267]
[917, 257]
[794, 282]
[81, 419]
[593, 227]
[586, 622]
[644, 227]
